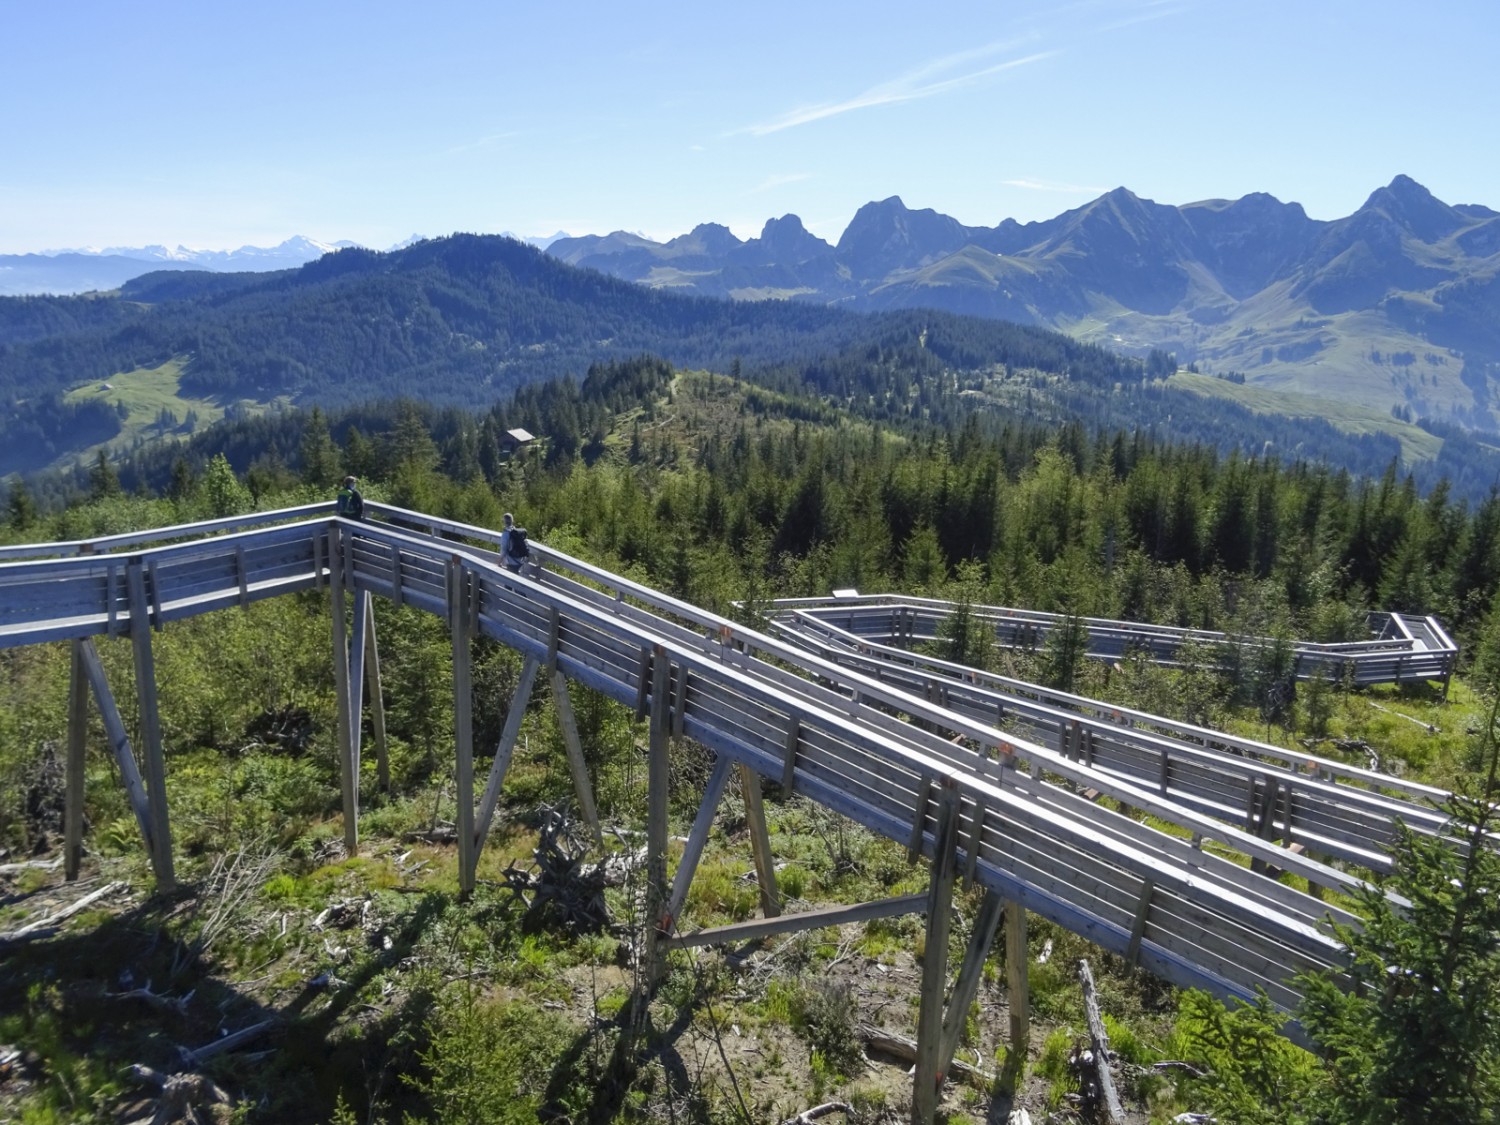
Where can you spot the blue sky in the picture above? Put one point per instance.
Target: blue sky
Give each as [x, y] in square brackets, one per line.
[216, 125]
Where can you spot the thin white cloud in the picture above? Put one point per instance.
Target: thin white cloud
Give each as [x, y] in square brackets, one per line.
[1053, 186]
[912, 86]
[776, 181]
[482, 142]
[1153, 10]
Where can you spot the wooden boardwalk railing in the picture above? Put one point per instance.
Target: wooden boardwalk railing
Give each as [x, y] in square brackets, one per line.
[1402, 648]
[798, 719]
[1158, 765]
[1327, 807]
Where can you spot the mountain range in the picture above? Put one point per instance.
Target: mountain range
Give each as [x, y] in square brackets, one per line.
[89, 270]
[1396, 306]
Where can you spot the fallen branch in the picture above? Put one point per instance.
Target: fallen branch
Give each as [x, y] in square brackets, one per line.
[196, 1055]
[809, 1115]
[905, 1049]
[34, 929]
[1106, 1092]
[1428, 727]
[157, 1000]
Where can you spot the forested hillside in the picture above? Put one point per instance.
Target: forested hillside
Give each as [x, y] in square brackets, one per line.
[466, 321]
[458, 321]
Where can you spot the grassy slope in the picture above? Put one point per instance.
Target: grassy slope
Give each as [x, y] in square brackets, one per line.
[145, 392]
[1416, 444]
[1281, 342]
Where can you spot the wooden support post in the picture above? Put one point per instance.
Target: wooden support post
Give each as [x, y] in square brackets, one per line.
[78, 718]
[1017, 985]
[508, 736]
[697, 839]
[348, 778]
[156, 765]
[985, 925]
[789, 760]
[760, 842]
[358, 650]
[657, 781]
[574, 745]
[929, 1073]
[1138, 926]
[119, 741]
[463, 725]
[642, 683]
[377, 698]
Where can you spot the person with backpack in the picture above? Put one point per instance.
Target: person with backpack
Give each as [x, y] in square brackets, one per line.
[350, 504]
[513, 548]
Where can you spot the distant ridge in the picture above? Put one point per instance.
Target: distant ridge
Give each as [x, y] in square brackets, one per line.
[87, 270]
[1396, 306]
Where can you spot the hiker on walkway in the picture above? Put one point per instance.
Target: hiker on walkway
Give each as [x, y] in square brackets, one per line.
[351, 505]
[513, 548]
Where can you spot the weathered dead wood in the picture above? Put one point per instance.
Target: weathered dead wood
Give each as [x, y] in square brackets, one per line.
[195, 1056]
[158, 1000]
[45, 925]
[901, 1047]
[560, 890]
[1428, 727]
[185, 1096]
[1105, 1094]
[817, 1111]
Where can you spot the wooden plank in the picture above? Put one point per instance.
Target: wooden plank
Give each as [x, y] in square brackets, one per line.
[463, 729]
[1138, 926]
[239, 559]
[658, 781]
[803, 920]
[1017, 986]
[687, 866]
[760, 842]
[678, 692]
[986, 923]
[643, 682]
[929, 1075]
[348, 777]
[919, 821]
[554, 637]
[359, 648]
[508, 736]
[74, 772]
[150, 720]
[789, 769]
[153, 586]
[119, 741]
[377, 699]
[574, 746]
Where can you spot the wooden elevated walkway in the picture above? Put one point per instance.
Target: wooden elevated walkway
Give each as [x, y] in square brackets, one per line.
[1012, 815]
[1401, 648]
[1328, 808]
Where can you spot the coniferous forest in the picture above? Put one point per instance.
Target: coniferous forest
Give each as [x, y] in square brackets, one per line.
[877, 467]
